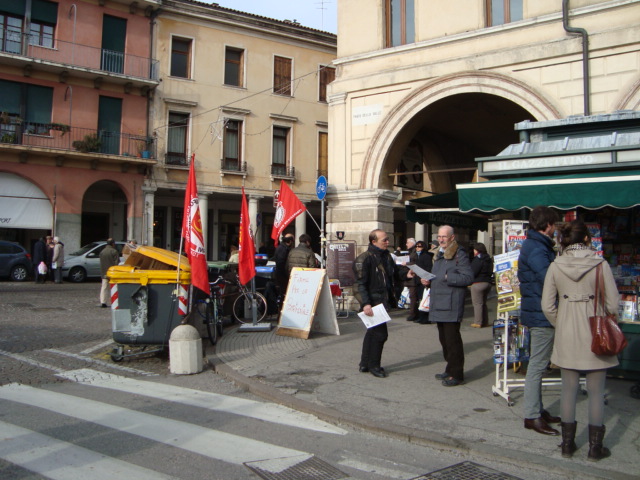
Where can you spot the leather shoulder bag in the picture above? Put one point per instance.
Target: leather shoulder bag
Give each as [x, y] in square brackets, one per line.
[608, 339]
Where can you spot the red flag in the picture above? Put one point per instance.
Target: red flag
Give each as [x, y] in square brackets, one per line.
[192, 233]
[289, 207]
[247, 249]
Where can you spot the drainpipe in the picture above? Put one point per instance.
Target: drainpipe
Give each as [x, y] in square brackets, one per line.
[585, 53]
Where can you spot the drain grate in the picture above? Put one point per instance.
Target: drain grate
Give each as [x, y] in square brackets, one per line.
[466, 471]
[303, 467]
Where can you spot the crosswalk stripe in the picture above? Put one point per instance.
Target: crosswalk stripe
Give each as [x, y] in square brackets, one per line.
[102, 363]
[203, 441]
[196, 398]
[60, 460]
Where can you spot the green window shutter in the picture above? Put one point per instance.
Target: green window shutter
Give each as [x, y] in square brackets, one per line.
[10, 94]
[15, 7]
[44, 12]
[39, 101]
[114, 33]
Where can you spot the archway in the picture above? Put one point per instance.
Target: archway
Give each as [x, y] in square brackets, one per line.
[104, 212]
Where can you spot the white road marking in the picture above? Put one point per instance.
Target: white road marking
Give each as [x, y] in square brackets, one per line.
[212, 401]
[96, 347]
[60, 460]
[102, 363]
[203, 441]
[377, 466]
[29, 361]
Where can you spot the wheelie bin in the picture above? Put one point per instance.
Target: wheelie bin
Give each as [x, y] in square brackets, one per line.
[149, 298]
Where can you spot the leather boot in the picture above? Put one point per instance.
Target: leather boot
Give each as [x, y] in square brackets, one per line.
[568, 444]
[596, 450]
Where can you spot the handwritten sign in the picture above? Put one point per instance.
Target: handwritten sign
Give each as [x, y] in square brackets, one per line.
[308, 305]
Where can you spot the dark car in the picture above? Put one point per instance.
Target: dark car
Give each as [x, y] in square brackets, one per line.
[15, 261]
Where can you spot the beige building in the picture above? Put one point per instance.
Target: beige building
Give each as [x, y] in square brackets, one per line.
[422, 90]
[247, 96]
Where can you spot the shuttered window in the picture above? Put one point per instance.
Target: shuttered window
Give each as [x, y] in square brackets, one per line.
[327, 75]
[323, 153]
[282, 76]
[233, 72]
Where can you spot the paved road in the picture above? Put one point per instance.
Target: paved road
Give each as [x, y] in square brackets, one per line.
[69, 412]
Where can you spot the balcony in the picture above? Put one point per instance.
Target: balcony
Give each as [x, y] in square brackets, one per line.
[56, 137]
[233, 167]
[51, 52]
[283, 172]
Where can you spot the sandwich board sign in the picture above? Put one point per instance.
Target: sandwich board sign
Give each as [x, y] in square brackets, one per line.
[308, 305]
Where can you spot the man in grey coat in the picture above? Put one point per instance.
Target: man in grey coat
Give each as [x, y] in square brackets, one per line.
[453, 273]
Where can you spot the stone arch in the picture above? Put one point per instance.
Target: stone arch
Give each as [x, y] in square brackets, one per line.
[631, 101]
[446, 86]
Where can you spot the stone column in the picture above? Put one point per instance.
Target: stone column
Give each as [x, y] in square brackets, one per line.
[147, 216]
[301, 225]
[203, 204]
[253, 212]
[419, 232]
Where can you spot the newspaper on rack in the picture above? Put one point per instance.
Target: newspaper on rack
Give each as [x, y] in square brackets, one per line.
[507, 283]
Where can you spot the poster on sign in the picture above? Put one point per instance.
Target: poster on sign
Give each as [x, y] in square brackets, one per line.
[308, 305]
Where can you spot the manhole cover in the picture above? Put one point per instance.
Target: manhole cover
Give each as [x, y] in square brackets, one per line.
[303, 467]
[467, 471]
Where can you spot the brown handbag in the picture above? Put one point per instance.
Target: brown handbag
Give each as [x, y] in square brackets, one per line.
[608, 339]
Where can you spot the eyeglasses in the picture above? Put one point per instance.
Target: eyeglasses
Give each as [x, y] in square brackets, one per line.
[419, 246]
[444, 236]
[386, 239]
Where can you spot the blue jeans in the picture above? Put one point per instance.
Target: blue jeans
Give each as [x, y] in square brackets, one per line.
[541, 345]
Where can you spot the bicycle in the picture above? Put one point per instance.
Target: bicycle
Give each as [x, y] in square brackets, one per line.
[210, 309]
[242, 309]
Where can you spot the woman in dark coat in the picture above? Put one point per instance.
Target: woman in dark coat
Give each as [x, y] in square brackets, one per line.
[39, 256]
[482, 266]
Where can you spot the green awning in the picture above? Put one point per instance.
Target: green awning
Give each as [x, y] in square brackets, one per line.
[592, 191]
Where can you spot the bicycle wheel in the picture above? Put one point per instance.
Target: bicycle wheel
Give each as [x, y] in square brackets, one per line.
[219, 324]
[211, 318]
[243, 308]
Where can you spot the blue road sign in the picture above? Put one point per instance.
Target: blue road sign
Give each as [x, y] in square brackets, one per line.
[321, 187]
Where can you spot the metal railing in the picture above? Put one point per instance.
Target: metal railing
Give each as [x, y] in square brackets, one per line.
[175, 159]
[233, 166]
[75, 54]
[58, 136]
[283, 171]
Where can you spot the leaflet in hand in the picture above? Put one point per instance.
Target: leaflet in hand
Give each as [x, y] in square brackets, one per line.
[421, 272]
[380, 315]
[400, 259]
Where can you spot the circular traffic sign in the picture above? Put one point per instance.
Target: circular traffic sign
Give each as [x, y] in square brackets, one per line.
[321, 187]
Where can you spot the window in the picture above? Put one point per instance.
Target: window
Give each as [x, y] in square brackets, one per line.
[400, 22]
[232, 152]
[177, 138]
[44, 16]
[10, 34]
[180, 57]
[323, 153]
[282, 76]
[500, 12]
[327, 75]
[233, 71]
[279, 156]
[114, 34]
[31, 103]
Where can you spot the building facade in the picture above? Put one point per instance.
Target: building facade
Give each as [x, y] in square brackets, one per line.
[246, 97]
[74, 142]
[421, 92]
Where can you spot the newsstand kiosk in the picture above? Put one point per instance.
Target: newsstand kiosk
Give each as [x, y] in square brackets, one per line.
[149, 299]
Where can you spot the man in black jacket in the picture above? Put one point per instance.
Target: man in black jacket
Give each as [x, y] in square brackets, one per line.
[280, 257]
[375, 283]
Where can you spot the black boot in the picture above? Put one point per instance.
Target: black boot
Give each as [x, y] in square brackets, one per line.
[568, 444]
[596, 450]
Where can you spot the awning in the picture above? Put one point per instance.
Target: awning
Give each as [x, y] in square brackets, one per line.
[455, 219]
[23, 204]
[620, 189]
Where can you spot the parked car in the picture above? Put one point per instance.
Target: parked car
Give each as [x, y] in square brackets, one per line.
[85, 263]
[15, 261]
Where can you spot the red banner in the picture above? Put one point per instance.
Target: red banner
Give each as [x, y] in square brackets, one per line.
[192, 233]
[247, 249]
[289, 207]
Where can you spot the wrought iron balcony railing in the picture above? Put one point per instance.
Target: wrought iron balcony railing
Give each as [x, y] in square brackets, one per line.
[233, 166]
[283, 171]
[74, 54]
[176, 159]
[58, 136]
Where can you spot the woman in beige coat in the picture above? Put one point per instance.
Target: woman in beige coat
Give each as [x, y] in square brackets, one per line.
[567, 302]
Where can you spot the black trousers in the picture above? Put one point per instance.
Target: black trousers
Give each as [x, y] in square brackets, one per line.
[372, 346]
[452, 348]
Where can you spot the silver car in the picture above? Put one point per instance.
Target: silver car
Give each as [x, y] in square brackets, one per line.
[85, 263]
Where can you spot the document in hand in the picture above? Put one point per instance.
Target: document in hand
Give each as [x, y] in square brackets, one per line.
[400, 259]
[380, 315]
[421, 272]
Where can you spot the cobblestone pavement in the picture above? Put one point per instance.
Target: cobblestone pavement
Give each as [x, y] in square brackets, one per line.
[48, 328]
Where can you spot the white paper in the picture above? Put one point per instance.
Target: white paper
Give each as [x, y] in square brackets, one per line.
[380, 315]
[400, 259]
[421, 272]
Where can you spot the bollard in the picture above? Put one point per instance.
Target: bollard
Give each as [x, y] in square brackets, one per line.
[185, 350]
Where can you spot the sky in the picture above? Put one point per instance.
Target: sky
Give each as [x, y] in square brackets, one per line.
[318, 14]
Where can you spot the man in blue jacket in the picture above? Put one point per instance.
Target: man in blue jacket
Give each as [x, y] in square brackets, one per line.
[535, 257]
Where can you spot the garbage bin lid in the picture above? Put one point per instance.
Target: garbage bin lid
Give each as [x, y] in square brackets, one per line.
[154, 258]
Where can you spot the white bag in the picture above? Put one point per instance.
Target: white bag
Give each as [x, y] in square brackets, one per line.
[424, 303]
[404, 301]
[42, 268]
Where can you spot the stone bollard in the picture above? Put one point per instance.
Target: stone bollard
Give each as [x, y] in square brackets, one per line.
[185, 350]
